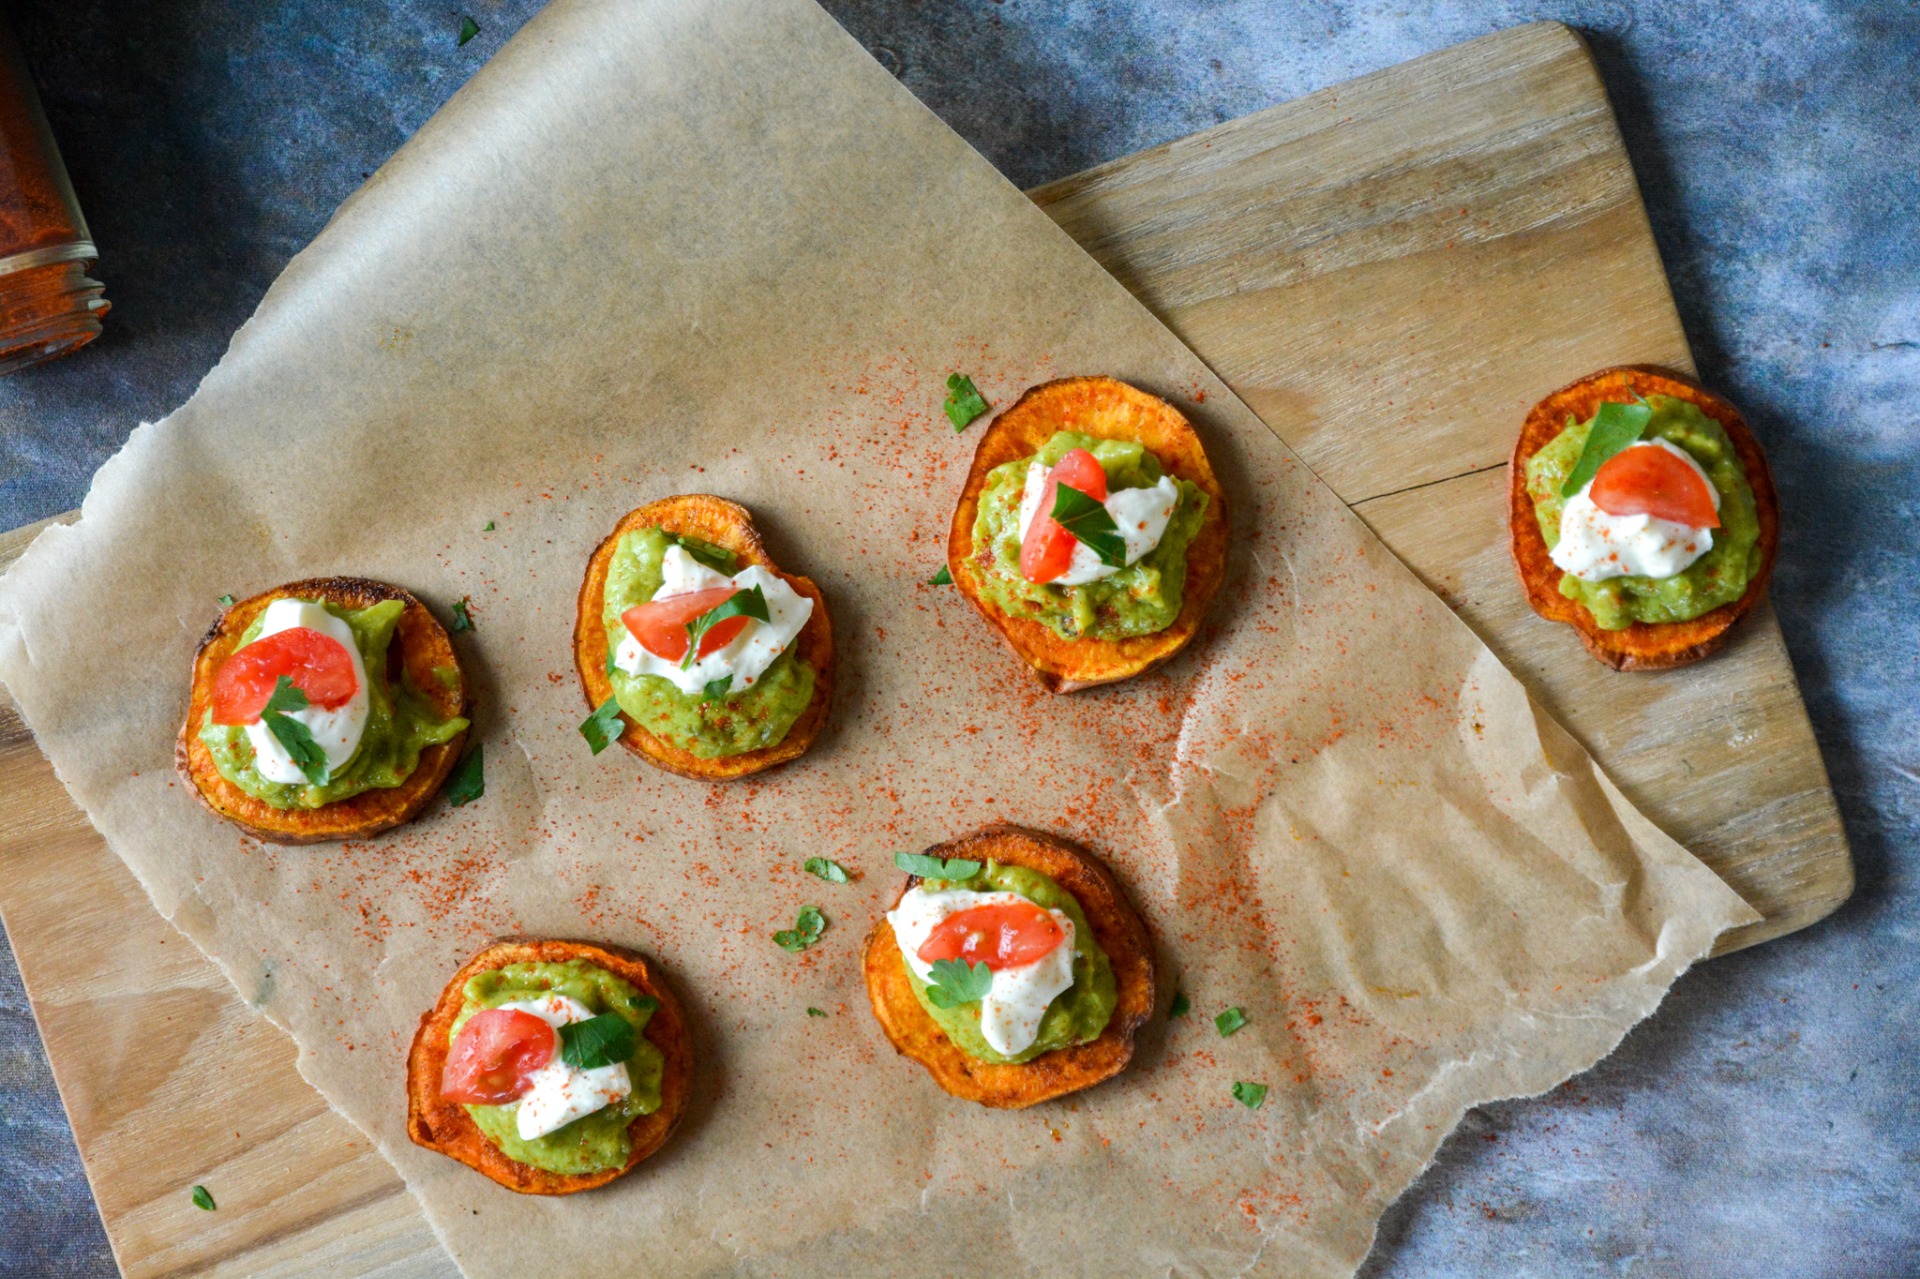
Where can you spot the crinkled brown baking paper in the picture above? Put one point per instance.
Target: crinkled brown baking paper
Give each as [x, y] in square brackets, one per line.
[710, 245]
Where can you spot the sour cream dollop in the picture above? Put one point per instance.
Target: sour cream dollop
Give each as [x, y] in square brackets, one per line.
[336, 731]
[1140, 515]
[557, 1094]
[1011, 1009]
[1595, 546]
[747, 656]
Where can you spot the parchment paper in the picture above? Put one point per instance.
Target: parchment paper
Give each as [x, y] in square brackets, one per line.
[708, 245]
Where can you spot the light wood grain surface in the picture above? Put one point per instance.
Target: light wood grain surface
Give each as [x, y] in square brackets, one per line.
[1389, 272]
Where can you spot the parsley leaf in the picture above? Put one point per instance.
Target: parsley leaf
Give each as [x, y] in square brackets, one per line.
[461, 621]
[202, 1200]
[964, 401]
[814, 1012]
[806, 930]
[487, 527]
[1229, 1021]
[954, 983]
[469, 780]
[1614, 427]
[1181, 1005]
[603, 727]
[717, 558]
[826, 868]
[1090, 524]
[292, 735]
[1249, 1095]
[936, 867]
[942, 578]
[597, 1041]
[751, 602]
[226, 601]
[468, 30]
[717, 688]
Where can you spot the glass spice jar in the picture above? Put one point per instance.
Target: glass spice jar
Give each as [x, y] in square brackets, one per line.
[48, 304]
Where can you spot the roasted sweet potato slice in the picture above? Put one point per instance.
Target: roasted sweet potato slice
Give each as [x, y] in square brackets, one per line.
[445, 1126]
[1108, 409]
[1116, 927]
[728, 525]
[1641, 646]
[420, 645]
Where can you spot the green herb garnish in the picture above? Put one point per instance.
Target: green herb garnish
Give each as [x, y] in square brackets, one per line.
[226, 601]
[202, 1200]
[1614, 427]
[468, 30]
[487, 527]
[826, 868]
[806, 930]
[1089, 524]
[936, 867]
[814, 1012]
[717, 688]
[955, 983]
[597, 1041]
[751, 602]
[1229, 1021]
[964, 401]
[1181, 1005]
[1249, 1095]
[717, 558]
[292, 734]
[469, 780]
[603, 727]
[461, 620]
[942, 578]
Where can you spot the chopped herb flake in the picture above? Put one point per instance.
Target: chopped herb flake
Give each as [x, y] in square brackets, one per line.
[202, 1200]
[815, 1012]
[469, 780]
[487, 527]
[936, 867]
[1229, 1021]
[468, 30]
[964, 401]
[955, 983]
[942, 578]
[461, 620]
[603, 727]
[597, 1041]
[1181, 1005]
[806, 930]
[226, 601]
[1614, 427]
[715, 689]
[826, 868]
[1249, 1095]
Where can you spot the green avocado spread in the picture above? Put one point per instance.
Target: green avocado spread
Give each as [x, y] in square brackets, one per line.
[1077, 1014]
[710, 727]
[400, 724]
[591, 1143]
[1140, 599]
[1718, 577]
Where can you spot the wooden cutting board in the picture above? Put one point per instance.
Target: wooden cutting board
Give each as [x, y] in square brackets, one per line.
[1389, 272]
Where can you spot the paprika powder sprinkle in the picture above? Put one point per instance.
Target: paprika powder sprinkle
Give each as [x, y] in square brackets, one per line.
[48, 304]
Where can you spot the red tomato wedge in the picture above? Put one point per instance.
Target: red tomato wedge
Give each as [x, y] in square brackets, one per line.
[318, 665]
[1047, 550]
[661, 625]
[1652, 481]
[494, 1056]
[999, 935]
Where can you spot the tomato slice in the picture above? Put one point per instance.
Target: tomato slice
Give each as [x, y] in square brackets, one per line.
[1648, 480]
[1047, 550]
[999, 935]
[319, 666]
[661, 625]
[494, 1056]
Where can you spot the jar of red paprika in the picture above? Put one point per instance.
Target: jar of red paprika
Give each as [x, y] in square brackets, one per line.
[48, 304]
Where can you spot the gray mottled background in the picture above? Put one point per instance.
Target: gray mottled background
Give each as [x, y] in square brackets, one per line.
[1766, 1122]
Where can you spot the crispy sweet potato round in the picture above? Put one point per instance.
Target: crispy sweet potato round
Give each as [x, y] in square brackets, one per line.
[1120, 931]
[725, 524]
[1641, 646]
[420, 644]
[1108, 409]
[445, 1126]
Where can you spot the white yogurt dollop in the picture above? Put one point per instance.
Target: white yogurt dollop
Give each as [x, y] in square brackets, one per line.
[1011, 1009]
[1140, 515]
[1595, 546]
[336, 731]
[558, 1093]
[745, 657]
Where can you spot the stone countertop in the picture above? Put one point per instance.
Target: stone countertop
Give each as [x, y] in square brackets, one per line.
[1766, 1122]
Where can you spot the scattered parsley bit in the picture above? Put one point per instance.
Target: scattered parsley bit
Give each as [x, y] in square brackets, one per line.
[1089, 524]
[814, 1012]
[469, 781]
[603, 727]
[461, 620]
[1229, 1021]
[717, 688]
[826, 868]
[468, 30]
[942, 578]
[643, 1003]
[487, 527]
[936, 867]
[1181, 1005]
[202, 1200]
[1614, 427]
[597, 1041]
[717, 558]
[806, 930]
[292, 734]
[954, 983]
[964, 402]
[1249, 1095]
[226, 601]
[751, 602]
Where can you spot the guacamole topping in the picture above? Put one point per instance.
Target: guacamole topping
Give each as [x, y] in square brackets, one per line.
[1077, 1016]
[1718, 577]
[710, 727]
[400, 724]
[591, 1143]
[1140, 599]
